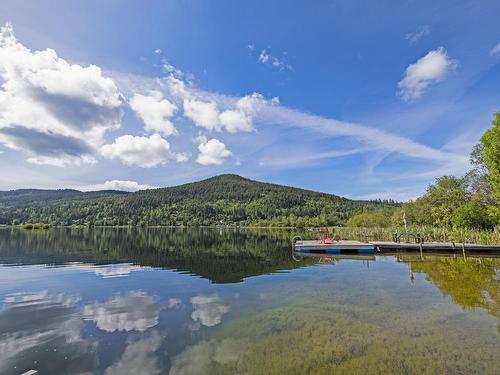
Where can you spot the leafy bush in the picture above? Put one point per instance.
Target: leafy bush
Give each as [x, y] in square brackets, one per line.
[472, 215]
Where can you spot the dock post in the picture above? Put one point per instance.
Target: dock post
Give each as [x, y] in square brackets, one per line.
[463, 251]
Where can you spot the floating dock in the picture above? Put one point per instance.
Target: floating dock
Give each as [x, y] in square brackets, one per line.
[333, 247]
[327, 246]
[384, 246]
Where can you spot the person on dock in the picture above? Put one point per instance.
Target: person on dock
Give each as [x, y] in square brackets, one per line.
[405, 221]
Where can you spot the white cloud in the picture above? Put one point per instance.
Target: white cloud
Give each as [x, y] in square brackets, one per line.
[208, 310]
[418, 34]
[135, 311]
[235, 121]
[195, 359]
[241, 117]
[399, 195]
[428, 70]
[203, 114]
[141, 151]
[138, 357]
[212, 152]
[155, 112]
[123, 185]
[206, 114]
[495, 50]
[62, 160]
[55, 112]
[267, 59]
[173, 71]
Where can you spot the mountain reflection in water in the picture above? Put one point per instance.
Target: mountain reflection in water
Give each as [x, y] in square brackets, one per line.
[225, 301]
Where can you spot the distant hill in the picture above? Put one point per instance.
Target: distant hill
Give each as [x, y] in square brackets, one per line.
[225, 199]
[230, 187]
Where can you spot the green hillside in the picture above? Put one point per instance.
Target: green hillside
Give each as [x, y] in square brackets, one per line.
[225, 199]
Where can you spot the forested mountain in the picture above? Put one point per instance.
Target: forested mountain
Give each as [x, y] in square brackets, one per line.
[23, 197]
[225, 199]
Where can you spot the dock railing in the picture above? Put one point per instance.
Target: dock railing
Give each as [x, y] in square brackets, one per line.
[410, 237]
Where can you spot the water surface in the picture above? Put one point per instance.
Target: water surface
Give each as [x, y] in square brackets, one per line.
[210, 301]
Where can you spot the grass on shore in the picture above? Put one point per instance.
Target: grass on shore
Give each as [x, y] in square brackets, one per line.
[30, 226]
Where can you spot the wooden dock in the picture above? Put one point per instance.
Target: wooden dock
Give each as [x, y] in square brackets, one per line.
[384, 246]
[356, 247]
[332, 247]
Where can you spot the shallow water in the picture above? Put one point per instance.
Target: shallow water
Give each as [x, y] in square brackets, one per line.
[179, 301]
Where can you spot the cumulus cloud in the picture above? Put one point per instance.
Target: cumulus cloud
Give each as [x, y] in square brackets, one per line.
[495, 50]
[267, 59]
[428, 70]
[138, 357]
[123, 185]
[208, 310]
[196, 359]
[141, 151]
[203, 114]
[235, 121]
[55, 112]
[135, 311]
[212, 152]
[206, 114]
[155, 112]
[418, 34]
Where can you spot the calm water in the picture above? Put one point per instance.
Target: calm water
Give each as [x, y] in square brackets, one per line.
[122, 301]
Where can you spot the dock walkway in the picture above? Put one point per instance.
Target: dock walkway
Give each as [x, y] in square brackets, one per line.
[382, 246]
[357, 247]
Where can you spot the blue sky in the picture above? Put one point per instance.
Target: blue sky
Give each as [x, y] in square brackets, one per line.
[362, 100]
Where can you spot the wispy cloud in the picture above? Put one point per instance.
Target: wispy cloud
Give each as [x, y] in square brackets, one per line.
[305, 158]
[495, 50]
[123, 185]
[375, 139]
[399, 195]
[418, 34]
[428, 70]
[268, 59]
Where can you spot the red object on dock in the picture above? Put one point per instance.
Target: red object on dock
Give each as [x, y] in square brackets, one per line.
[327, 240]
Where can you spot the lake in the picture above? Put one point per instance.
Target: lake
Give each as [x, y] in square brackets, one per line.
[224, 301]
